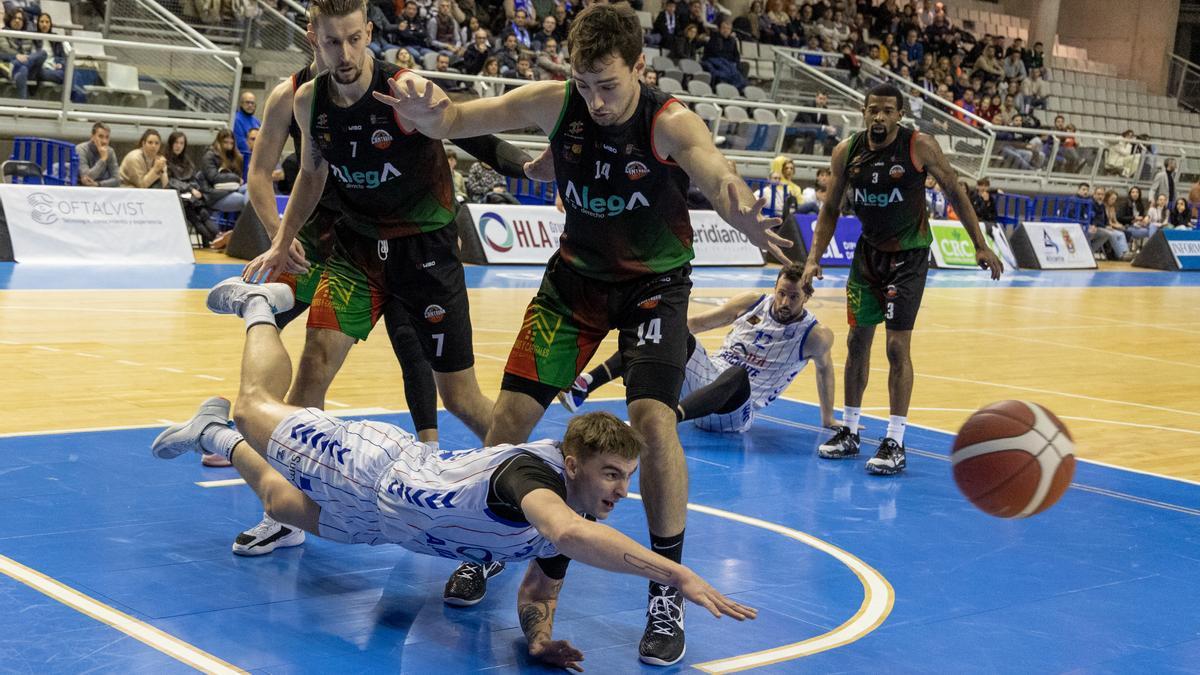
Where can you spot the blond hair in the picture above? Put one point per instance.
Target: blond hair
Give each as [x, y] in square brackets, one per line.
[599, 432]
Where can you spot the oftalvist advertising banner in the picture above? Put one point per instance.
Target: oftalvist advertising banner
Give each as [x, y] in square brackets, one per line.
[62, 225]
[517, 234]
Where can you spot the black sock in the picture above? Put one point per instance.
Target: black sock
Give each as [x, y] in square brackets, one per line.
[668, 547]
[606, 372]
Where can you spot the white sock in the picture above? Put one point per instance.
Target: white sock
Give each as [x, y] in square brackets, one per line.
[850, 417]
[895, 430]
[432, 445]
[219, 440]
[257, 310]
[587, 378]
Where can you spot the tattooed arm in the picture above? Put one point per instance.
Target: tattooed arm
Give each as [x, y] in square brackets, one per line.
[602, 546]
[536, 601]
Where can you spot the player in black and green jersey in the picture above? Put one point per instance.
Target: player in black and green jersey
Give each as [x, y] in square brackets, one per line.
[884, 169]
[623, 154]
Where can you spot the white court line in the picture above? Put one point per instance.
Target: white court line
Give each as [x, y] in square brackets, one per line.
[211, 377]
[87, 355]
[221, 483]
[1064, 417]
[170, 370]
[129, 363]
[138, 630]
[46, 349]
[339, 404]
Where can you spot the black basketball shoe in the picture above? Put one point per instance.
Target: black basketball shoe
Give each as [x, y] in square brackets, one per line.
[468, 584]
[889, 460]
[663, 643]
[843, 444]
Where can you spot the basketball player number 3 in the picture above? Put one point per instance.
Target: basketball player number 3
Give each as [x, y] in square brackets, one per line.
[651, 331]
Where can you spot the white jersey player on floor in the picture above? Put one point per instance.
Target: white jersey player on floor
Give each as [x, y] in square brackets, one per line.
[374, 483]
[770, 342]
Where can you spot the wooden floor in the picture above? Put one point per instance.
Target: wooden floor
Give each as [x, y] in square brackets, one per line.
[1120, 365]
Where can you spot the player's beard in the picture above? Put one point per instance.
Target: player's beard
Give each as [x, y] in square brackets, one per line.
[342, 77]
[878, 133]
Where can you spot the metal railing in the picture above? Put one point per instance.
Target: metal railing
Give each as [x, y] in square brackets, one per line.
[133, 83]
[277, 36]
[1183, 82]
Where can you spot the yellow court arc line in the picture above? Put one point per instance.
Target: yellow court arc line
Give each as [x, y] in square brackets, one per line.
[878, 599]
[138, 630]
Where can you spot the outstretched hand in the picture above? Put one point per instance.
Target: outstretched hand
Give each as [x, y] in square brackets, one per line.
[558, 653]
[413, 100]
[699, 591]
[759, 229]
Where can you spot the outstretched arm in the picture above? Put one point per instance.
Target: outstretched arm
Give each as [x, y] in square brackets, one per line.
[818, 349]
[680, 135]
[506, 158]
[929, 154]
[723, 315]
[423, 104]
[602, 546]
[536, 601]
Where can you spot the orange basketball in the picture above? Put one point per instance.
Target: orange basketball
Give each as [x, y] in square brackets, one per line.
[1013, 459]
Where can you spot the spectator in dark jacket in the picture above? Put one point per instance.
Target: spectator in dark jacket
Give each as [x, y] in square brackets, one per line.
[985, 206]
[476, 53]
[222, 170]
[721, 55]
[98, 161]
[667, 25]
[181, 177]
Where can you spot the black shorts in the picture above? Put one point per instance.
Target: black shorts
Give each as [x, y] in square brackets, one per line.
[571, 314]
[886, 287]
[422, 272]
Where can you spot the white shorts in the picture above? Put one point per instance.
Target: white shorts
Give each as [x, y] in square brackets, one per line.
[701, 371]
[338, 464]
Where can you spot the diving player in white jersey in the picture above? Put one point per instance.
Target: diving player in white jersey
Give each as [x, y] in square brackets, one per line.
[770, 343]
[374, 483]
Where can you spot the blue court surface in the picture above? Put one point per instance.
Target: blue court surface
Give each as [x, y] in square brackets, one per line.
[851, 573]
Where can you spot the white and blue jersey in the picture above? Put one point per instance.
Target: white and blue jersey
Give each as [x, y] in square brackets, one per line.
[377, 484]
[771, 353]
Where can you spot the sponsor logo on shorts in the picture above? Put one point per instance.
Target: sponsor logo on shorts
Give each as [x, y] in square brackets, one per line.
[650, 302]
[892, 292]
[434, 314]
[381, 139]
[636, 171]
[896, 172]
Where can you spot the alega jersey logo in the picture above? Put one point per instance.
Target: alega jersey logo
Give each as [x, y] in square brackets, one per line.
[367, 179]
[866, 198]
[612, 205]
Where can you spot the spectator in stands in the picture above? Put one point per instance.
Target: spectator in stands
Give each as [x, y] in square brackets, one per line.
[1181, 215]
[688, 45]
[486, 186]
[989, 107]
[145, 166]
[477, 53]
[985, 206]
[97, 160]
[812, 198]
[221, 168]
[404, 59]
[668, 25]
[849, 62]
[1068, 151]
[508, 54]
[443, 32]
[485, 89]
[813, 127]
[467, 32]
[1164, 181]
[1122, 157]
[383, 32]
[181, 177]
[53, 68]
[1035, 90]
[442, 65]
[967, 103]
[460, 184]
[1115, 224]
[1159, 214]
[786, 168]
[1134, 217]
[1025, 150]
[244, 120]
[912, 50]
[519, 27]
[935, 200]
[411, 31]
[18, 56]
[524, 70]
[549, 31]
[1014, 68]
[989, 66]
[695, 15]
[1037, 59]
[721, 56]
[552, 65]
[755, 17]
[775, 193]
[29, 8]
[1105, 228]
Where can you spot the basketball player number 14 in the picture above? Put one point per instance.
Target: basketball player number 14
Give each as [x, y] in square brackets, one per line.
[650, 331]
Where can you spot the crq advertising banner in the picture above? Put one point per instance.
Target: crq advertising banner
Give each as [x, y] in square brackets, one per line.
[953, 249]
[81, 225]
[1060, 246]
[840, 251]
[518, 234]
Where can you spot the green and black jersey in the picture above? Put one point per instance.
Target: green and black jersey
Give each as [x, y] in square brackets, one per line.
[887, 192]
[392, 182]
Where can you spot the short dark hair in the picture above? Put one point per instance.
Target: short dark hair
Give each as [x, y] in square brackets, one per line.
[824, 171]
[318, 8]
[1084, 185]
[885, 90]
[98, 126]
[602, 29]
[794, 272]
[983, 182]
